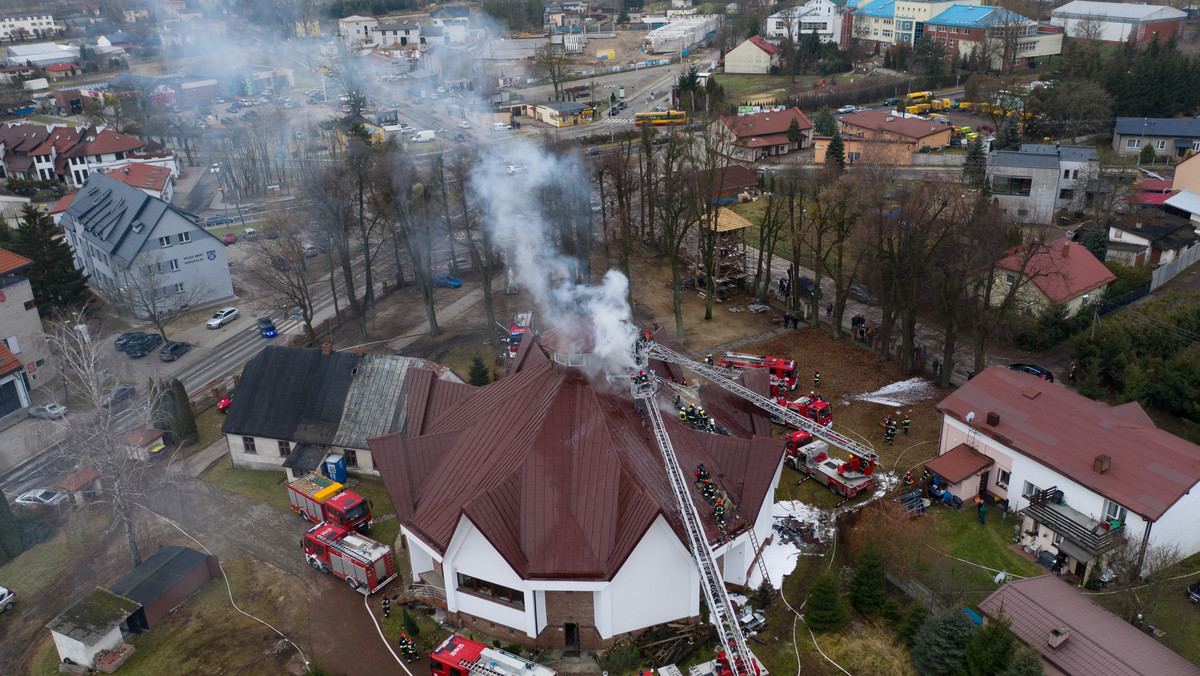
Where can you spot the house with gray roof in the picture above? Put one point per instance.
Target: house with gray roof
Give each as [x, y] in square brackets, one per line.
[1170, 137]
[1033, 182]
[132, 244]
[91, 626]
[296, 406]
[402, 34]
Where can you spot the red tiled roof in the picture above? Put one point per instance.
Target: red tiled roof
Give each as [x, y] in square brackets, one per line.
[765, 124]
[877, 120]
[1150, 469]
[60, 67]
[79, 479]
[958, 463]
[61, 140]
[11, 262]
[1099, 643]
[8, 361]
[62, 204]
[1153, 185]
[108, 141]
[732, 177]
[1062, 270]
[1152, 198]
[758, 41]
[22, 138]
[766, 140]
[142, 176]
[561, 477]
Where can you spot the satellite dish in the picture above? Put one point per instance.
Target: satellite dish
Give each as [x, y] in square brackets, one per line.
[971, 416]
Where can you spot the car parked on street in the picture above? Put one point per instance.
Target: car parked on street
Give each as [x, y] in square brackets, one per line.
[143, 346]
[217, 219]
[8, 599]
[117, 393]
[266, 327]
[42, 497]
[48, 411]
[222, 317]
[1033, 369]
[446, 281]
[845, 110]
[310, 251]
[174, 350]
[124, 339]
[892, 101]
[862, 294]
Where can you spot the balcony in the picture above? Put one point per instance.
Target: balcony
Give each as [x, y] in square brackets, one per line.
[1079, 529]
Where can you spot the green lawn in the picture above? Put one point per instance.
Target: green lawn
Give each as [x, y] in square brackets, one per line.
[1177, 617]
[267, 487]
[208, 424]
[965, 538]
[756, 88]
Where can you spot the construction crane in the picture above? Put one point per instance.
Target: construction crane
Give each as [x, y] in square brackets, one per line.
[740, 661]
[648, 349]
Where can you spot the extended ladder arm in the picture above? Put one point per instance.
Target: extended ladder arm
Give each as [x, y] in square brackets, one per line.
[645, 350]
[732, 641]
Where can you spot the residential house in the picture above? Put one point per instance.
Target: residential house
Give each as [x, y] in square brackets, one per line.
[595, 547]
[122, 237]
[41, 54]
[1081, 475]
[1077, 636]
[455, 22]
[880, 125]
[1150, 239]
[1187, 175]
[15, 74]
[60, 71]
[823, 17]
[751, 138]
[153, 180]
[1152, 192]
[1025, 185]
[20, 27]
[1007, 37]
[356, 30]
[433, 35]
[25, 350]
[303, 404]
[754, 56]
[564, 113]
[1118, 22]
[896, 151]
[49, 158]
[1170, 137]
[1186, 203]
[106, 149]
[18, 143]
[729, 181]
[1060, 272]
[1078, 169]
[391, 35]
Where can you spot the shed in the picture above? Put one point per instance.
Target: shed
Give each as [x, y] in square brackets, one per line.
[162, 582]
[82, 485]
[303, 459]
[91, 625]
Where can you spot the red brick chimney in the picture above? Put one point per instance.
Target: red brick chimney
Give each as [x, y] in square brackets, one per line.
[1066, 250]
[326, 348]
[360, 351]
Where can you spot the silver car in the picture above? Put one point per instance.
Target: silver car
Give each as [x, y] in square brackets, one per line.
[222, 317]
[42, 497]
[48, 411]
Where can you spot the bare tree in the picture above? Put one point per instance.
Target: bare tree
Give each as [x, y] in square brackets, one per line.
[1142, 577]
[281, 270]
[832, 222]
[478, 240]
[148, 291]
[676, 215]
[550, 62]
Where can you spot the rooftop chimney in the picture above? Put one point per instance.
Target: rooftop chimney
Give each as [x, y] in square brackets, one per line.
[1066, 250]
[326, 348]
[1101, 464]
[360, 351]
[1058, 637]
[993, 419]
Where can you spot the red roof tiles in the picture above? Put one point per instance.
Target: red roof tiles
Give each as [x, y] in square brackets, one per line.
[62, 204]
[879, 121]
[11, 262]
[958, 463]
[744, 127]
[8, 361]
[108, 141]
[1150, 469]
[141, 176]
[1062, 270]
[758, 41]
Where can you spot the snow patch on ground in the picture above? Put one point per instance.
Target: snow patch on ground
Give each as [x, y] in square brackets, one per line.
[899, 393]
[780, 557]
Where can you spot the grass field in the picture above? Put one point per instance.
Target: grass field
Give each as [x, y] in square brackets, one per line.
[267, 487]
[756, 88]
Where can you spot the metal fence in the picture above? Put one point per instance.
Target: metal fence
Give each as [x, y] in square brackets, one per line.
[1165, 273]
[1122, 302]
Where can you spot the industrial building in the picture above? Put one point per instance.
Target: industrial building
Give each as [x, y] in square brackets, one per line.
[679, 34]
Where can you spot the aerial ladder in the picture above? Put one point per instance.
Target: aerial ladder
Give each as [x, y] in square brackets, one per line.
[740, 661]
[648, 349]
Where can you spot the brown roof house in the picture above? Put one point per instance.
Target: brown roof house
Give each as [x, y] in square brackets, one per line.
[540, 503]
[877, 125]
[1061, 272]
[1082, 475]
[1078, 637]
[751, 138]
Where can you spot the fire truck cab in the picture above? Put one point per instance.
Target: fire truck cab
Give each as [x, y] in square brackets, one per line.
[783, 371]
[458, 656]
[522, 322]
[816, 410]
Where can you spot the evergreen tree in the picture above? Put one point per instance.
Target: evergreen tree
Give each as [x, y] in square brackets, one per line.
[835, 154]
[975, 166]
[185, 421]
[55, 281]
[10, 534]
[794, 135]
[1007, 137]
[990, 649]
[623, 17]
[1025, 662]
[891, 613]
[825, 124]
[8, 236]
[1147, 156]
[478, 375]
[825, 610]
[868, 587]
[912, 624]
[1095, 240]
[410, 625]
[939, 648]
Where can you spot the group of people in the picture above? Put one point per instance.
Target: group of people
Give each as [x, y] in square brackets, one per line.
[890, 425]
[408, 648]
[784, 287]
[858, 327]
[640, 378]
[695, 416]
[792, 320]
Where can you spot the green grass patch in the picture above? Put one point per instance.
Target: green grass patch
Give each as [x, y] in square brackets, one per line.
[986, 545]
[47, 119]
[265, 486]
[755, 88]
[208, 424]
[38, 567]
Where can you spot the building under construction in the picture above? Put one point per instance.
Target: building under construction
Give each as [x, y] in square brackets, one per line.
[730, 276]
[679, 34]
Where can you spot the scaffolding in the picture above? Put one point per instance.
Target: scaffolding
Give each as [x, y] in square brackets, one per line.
[679, 34]
[729, 260]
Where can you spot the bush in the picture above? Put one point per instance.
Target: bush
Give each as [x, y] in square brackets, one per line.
[479, 374]
[891, 613]
[939, 648]
[622, 660]
[912, 624]
[1051, 328]
[1128, 279]
[825, 610]
[868, 587]
[410, 625]
[35, 526]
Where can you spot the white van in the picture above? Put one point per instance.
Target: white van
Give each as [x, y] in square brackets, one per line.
[424, 136]
[500, 126]
[250, 233]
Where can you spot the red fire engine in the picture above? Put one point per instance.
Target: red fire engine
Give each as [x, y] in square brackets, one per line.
[810, 456]
[457, 656]
[318, 499]
[363, 563]
[522, 322]
[783, 371]
[816, 410]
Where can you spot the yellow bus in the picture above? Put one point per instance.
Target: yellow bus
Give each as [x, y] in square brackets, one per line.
[917, 97]
[661, 117]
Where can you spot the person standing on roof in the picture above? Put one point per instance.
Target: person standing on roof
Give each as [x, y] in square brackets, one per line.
[719, 512]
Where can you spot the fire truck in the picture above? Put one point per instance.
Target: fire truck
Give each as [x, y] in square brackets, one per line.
[363, 563]
[816, 410]
[522, 322]
[783, 371]
[847, 478]
[318, 498]
[457, 656]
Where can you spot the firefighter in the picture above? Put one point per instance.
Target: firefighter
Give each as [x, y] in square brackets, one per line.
[889, 434]
[702, 473]
[708, 491]
[905, 422]
[683, 415]
[703, 417]
[887, 424]
[926, 474]
[816, 377]
[408, 649]
[719, 512]
[708, 360]
[387, 606]
[908, 480]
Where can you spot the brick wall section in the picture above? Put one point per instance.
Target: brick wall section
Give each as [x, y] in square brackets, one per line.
[1164, 30]
[563, 607]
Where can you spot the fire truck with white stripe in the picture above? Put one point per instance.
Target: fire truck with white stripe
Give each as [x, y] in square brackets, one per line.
[366, 565]
[457, 656]
[783, 371]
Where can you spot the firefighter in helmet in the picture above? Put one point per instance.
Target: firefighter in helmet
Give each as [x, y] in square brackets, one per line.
[387, 606]
[719, 512]
[816, 377]
[905, 422]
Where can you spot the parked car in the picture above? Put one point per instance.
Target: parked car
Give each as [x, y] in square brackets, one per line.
[174, 350]
[281, 263]
[254, 206]
[464, 125]
[215, 168]
[1193, 591]
[48, 411]
[310, 251]
[845, 110]
[117, 393]
[249, 233]
[323, 246]
[266, 327]
[226, 120]
[1034, 369]
[892, 101]
[229, 238]
[862, 294]
[124, 339]
[222, 317]
[460, 138]
[447, 281]
[217, 219]
[805, 287]
[42, 497]
[8, 599]
[593, 151]
[143, 346]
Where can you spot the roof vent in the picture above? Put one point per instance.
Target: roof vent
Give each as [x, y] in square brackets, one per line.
[1066, 249]
[360, 351]
[326, 348]
[993, 419]
[1101, 464]
[1058, 637]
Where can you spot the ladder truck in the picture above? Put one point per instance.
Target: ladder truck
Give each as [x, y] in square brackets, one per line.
[734, 653]
[847, 479]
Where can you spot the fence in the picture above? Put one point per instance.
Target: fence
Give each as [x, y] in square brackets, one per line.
[1119, 304]
[1165, 273]
[939, 159]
